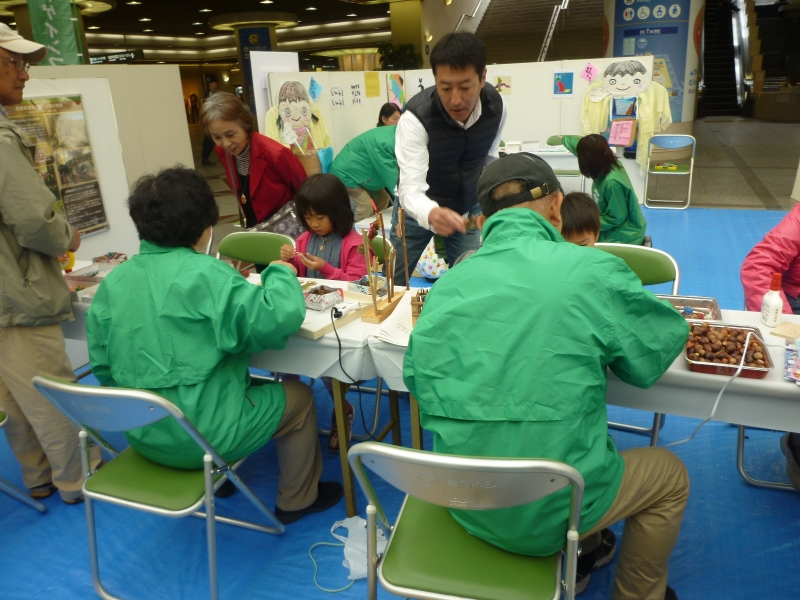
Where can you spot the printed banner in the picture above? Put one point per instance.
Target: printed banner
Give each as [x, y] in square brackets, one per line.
[252, 39]
[62, 155]
[52, 24]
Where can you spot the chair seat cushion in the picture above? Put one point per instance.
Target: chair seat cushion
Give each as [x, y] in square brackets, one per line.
[132, 477]
[430, 551]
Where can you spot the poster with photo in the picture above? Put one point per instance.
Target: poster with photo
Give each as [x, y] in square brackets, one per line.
[62, 154]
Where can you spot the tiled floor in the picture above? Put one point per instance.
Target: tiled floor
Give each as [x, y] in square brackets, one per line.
[745, 164]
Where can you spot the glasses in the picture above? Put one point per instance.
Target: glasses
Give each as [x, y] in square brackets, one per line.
[20, 64]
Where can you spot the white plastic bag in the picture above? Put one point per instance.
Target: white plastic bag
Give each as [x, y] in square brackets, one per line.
[355, 545]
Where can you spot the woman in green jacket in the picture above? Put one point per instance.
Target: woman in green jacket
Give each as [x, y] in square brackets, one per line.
[175, 321]
[368, 168]
[621, 218]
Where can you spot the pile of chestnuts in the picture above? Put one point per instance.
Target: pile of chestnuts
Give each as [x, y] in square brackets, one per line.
[724, 345]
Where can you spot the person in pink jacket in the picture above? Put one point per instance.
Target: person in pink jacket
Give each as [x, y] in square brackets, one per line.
[329, 247]
[778, 252]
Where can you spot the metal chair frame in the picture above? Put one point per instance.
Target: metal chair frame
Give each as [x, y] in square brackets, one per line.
[670, 141]
[516, 482]
[94, 408]
[658, 418]
[774, 485]
[12, 490]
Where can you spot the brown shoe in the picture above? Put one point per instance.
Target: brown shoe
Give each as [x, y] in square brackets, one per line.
[333, 438]
[40, 492]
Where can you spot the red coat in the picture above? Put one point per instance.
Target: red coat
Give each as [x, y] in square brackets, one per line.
[275, 175]
[353, 264]
[778, 252]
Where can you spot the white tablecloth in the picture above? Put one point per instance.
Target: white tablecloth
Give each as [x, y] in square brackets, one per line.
[302, 356]
[772, 403]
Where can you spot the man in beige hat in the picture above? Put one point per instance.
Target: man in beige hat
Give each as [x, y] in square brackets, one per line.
[34, 298]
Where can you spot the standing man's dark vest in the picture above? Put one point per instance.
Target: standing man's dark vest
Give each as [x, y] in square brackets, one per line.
[456, 155]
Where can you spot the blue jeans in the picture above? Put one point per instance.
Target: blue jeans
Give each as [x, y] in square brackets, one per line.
[417, 239]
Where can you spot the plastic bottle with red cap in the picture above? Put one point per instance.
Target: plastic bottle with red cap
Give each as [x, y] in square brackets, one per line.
[772, 305]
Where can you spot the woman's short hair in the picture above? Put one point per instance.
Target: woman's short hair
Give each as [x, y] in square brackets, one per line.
[387, 110]
[595, 156]
[579, 214]
[223, 106]
[173, 207]
[325, 194]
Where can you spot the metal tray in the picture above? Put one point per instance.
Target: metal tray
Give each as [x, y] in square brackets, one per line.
[722, 369]
[708, 306]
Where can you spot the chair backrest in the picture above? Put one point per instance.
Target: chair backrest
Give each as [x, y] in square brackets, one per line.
[258, 247]
[378, 249]
[114, 409]
[650, 265]
[464, 482]
[672, 141]
[3, 419]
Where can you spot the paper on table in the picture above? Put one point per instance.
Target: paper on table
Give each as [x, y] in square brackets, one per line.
[396, 329]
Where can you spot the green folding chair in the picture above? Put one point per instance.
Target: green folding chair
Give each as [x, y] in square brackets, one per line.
[429, 555]
[257, 247]
[13, 490]
[133, 481]
[652, 267]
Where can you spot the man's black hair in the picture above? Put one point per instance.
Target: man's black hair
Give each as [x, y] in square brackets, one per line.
[459, 51]
[579, 214]
[173, 207]
[325, 194]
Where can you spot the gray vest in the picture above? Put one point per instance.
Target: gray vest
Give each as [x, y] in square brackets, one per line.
[456, 155]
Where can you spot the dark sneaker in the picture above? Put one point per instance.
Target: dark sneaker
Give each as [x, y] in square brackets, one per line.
[226, 489]
[40, 492]
[207, 163]
[333, 437]
[73, 501]
[670, 594]
[597, 558]
[792, 468]
[328, 495]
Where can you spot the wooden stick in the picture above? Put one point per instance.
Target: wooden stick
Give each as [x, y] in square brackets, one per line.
[389, 267]
[383, 233]
[368, 259]
[401, 219]
[374, 282]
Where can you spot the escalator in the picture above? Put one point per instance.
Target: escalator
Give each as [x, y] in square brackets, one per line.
[722, 81]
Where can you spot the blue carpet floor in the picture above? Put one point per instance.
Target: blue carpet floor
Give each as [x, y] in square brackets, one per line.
[734, 545]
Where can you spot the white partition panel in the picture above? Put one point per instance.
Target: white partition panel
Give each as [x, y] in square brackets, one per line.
[264, 63]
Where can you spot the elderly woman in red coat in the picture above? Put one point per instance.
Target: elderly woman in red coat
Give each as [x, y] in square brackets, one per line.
[263, 174]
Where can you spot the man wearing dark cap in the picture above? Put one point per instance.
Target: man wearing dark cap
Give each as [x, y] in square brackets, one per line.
[509, 359]
[446, 136]
[34, 298]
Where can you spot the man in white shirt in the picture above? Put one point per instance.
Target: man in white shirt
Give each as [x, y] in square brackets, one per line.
[446, 136]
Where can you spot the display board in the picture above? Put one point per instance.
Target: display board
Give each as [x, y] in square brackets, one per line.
[348, 101]
[107, 167]
[264, 63]
[62, 155]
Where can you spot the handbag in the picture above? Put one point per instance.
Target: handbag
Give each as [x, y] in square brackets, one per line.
[284, 221]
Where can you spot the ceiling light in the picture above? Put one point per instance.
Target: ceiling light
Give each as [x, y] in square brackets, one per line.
[352, 15]
[13, 24]
[428, 37]
[306, 59]
[266, 1]
[145, 19]
[147, 30]
[205, 10]
[311, 8]
[196, 23]
[200, 33]
[133, 2]
[93, 27]
[161, 62]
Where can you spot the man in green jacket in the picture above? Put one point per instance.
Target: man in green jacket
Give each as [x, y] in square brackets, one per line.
[368, 168]
[34, 298]
[182, 324]
[509, 359]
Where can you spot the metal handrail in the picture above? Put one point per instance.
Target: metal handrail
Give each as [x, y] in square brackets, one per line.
[466, 16]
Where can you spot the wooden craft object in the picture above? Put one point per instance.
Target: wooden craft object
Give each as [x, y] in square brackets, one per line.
[417, 302]
[786, 330]
[320, 324]
[385, 307]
